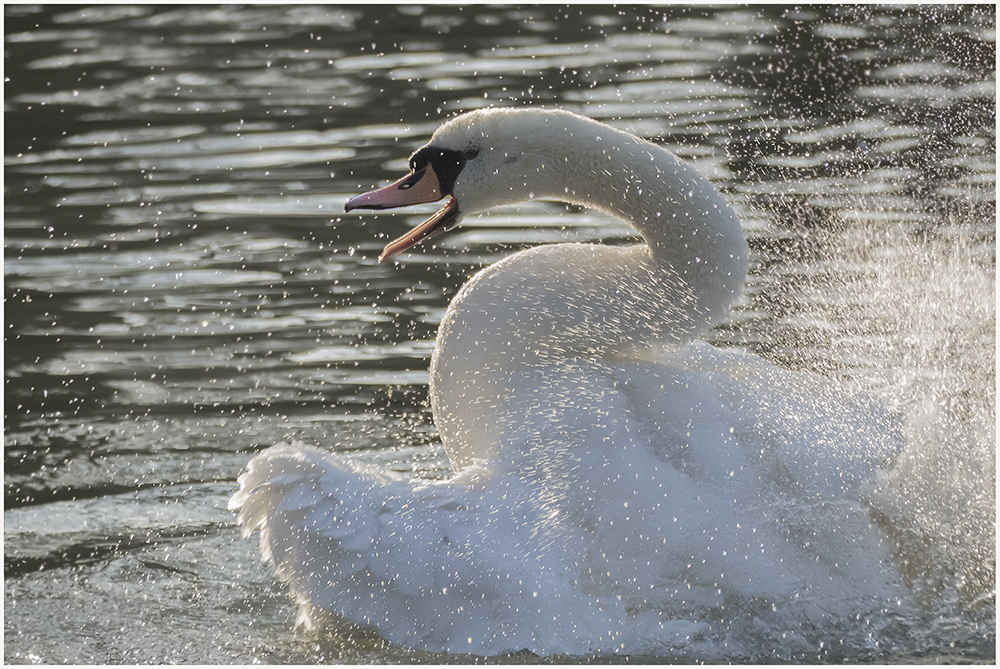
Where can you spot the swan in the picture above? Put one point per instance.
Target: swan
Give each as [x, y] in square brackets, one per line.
[618, 484]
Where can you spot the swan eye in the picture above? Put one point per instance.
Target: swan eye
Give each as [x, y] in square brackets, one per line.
[469, 154]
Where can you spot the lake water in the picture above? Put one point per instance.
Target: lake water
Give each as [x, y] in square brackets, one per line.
[182, 288]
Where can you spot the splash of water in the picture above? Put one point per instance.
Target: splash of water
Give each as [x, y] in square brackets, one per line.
[922, 316]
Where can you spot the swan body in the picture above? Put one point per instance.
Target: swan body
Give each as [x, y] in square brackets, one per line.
[618, 485]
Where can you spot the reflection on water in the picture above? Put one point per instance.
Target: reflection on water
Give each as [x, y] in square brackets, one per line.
[182, 289]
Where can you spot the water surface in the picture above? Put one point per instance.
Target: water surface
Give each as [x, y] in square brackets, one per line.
[182, 288]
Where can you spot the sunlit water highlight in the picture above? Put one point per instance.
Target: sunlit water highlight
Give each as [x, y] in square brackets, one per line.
[181, 288]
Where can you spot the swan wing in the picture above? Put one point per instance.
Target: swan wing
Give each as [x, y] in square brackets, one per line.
[462, 565]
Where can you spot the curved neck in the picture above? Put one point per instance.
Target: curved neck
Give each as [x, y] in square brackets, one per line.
[556, 305]
[686, 223]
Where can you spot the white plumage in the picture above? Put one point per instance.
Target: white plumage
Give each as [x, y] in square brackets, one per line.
[619, 485]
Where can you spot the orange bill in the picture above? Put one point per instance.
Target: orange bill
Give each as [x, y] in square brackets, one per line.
[415, 188]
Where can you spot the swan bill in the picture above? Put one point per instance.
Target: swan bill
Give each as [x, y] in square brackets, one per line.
[442, 221]
[417, 187]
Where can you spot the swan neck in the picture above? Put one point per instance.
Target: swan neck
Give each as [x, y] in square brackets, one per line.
[688, 226]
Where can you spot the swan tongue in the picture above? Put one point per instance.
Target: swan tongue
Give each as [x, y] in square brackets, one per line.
[442, 221]
[415, 188]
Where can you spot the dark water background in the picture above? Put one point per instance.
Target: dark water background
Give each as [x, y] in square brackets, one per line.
[182, 288]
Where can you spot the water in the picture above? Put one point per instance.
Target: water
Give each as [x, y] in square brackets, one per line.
[182, 289]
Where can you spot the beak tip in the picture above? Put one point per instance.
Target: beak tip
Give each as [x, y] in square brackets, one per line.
[388, 253]
[351, 203]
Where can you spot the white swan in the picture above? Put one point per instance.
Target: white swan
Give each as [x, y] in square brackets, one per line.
[618, 485]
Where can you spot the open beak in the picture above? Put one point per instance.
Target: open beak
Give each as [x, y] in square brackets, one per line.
[415, 188]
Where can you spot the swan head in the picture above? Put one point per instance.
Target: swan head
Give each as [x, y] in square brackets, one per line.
[477, 160]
